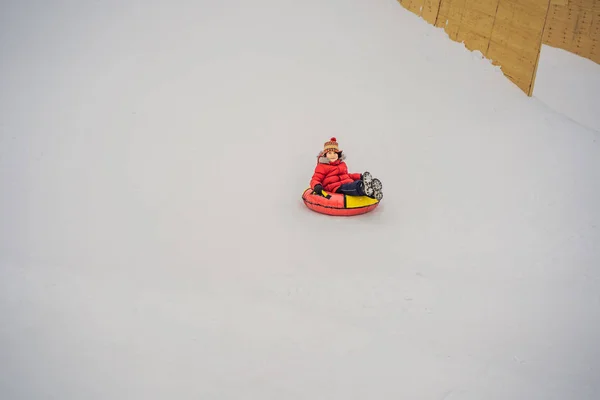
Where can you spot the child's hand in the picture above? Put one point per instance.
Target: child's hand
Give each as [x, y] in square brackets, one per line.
[318, 189]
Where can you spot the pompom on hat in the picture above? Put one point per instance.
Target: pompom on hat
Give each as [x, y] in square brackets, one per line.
[332, 144]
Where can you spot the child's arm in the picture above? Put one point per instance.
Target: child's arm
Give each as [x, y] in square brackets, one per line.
[355, 177]
[318, 176]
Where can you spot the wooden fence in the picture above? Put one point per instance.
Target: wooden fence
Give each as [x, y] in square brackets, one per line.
[574, 25]
[511, 32]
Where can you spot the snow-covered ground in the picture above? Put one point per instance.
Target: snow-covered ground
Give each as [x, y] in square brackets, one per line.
[153, 243]
[570, 85]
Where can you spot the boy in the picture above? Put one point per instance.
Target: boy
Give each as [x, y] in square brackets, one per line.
[331, 174]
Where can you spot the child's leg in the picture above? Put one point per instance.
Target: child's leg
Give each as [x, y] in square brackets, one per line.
[352, 189]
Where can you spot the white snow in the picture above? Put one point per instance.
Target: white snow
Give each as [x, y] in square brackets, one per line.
[153, 243]
[570, 85]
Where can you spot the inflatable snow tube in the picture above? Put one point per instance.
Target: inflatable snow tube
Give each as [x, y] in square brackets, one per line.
[338, 204]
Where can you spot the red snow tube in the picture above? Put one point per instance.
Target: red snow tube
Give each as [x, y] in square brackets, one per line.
[338, 204]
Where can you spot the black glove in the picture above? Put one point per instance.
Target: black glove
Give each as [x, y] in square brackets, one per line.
[318, 189]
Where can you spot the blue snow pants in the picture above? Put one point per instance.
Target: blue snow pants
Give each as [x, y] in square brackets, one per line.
[352, 189]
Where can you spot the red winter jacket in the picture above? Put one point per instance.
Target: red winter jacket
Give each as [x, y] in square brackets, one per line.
[332, 175]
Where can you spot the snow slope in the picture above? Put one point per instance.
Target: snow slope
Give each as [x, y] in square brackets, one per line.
[153, 244]
[569, 84]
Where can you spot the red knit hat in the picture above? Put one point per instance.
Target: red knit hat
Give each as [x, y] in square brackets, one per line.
[332, 144]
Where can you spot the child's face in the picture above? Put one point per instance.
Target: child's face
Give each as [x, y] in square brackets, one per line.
[332, 155]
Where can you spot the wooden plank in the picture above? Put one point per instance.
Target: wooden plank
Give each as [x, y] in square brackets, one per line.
[478, 22]
[474, 41]
[430, 11]
[587, 4]
[475, 29]
[574, 27]
[595, 54]
[488, 7]
[518, 70]
[525, 15]
[583, 46]
[427, 9]
[510, 32]
[516, 39]
[452, 29]
[453, 12]
[583, 24]
[414, 6]
[445, 6]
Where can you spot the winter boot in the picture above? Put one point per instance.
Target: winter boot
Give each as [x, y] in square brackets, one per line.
[377, 189]
[367, 184]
